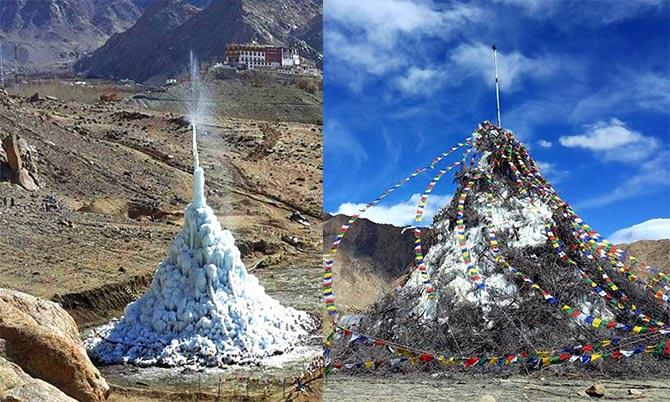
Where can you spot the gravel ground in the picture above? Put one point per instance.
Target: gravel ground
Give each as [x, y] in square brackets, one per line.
[342, 387]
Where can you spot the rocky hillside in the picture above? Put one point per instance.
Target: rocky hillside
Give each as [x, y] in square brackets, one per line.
[49, 33]
[123, 55]
[654, 252]
[206, 33]
[372, 259]
[310, 39]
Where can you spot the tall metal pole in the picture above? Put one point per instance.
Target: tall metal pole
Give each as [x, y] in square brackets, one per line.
[495, 62]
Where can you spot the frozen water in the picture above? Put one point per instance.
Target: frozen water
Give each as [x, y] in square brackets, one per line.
[202, 308]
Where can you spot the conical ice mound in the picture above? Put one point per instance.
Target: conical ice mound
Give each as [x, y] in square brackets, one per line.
[511, 267]
[203, 307]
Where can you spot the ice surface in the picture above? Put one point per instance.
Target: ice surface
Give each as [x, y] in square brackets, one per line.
[202, 307]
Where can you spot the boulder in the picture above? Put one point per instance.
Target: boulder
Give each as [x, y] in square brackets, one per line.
[596, 391]
[43, 340]
[20, 175]
[11, 146]
[17, 386]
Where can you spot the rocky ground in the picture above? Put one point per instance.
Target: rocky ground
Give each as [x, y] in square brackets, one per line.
[443, 388]
[114, 179]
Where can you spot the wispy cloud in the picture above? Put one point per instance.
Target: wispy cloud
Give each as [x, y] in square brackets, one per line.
[399, 214]
[366, 40]
[339, 143]
[475, 60]
[551, 172]
[651, 176]
[626, 91]
[420, 81]
[653, 229]
[544, 143]
[576, 12]
[613, 141]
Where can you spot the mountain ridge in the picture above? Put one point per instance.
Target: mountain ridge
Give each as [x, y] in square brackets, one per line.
[206, 33]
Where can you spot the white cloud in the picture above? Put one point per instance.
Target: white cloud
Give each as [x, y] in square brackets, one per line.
[551, 172]
[613, 141]
[400, 214]
[653, 176]
[513, 67]
[576, 12]
[419, 81]
[623, 91]
[368, 39]
[653, 229]
[339, 143]
[544, 143]
[626, 91]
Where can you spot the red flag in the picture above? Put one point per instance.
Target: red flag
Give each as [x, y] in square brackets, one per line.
[425, 357]
[471, 362]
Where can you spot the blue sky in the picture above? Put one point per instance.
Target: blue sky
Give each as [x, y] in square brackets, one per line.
[586, 85]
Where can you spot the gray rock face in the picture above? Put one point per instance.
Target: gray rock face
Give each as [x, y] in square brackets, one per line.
[51, 32]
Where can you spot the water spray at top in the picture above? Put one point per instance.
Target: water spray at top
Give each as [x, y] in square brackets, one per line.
[198, 109]
[198, 101]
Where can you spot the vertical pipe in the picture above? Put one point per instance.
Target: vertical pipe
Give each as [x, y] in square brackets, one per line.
[196, 159]
[495, 62]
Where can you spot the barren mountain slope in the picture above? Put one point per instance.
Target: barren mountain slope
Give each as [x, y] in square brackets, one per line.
[52, 32]
[207, 33]
[371, 261]
[125, 54]
[654, 252]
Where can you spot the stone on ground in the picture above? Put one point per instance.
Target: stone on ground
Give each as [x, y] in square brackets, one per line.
[41, 338]
[596, 390]
[17, 386]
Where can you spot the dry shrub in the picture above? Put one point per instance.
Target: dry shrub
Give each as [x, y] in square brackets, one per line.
[307, 84]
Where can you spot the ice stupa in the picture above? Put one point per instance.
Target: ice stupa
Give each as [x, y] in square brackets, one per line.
[512, 267]
[202, 307]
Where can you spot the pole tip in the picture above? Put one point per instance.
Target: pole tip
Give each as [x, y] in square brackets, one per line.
[494, 47]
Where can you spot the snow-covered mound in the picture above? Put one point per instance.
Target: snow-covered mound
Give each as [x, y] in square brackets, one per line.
[510, 267]
[203, 307]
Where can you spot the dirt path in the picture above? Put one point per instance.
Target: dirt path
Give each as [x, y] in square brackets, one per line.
[429, 388]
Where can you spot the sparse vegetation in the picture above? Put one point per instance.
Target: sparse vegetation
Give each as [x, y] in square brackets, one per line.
[308, 84]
